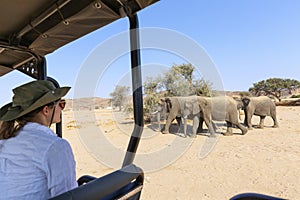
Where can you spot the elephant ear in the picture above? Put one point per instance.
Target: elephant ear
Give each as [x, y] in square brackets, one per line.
[168, 104]
[246, 101]
[196, 107]
[202, 103]
[240, 104]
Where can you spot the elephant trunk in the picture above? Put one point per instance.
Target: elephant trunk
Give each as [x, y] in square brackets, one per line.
[185, 114]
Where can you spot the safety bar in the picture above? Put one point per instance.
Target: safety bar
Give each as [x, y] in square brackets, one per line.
[85, 179]
[137, 90]
[254, 196]
[124, 183]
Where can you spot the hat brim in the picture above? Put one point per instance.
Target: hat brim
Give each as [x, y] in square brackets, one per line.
[8, 114]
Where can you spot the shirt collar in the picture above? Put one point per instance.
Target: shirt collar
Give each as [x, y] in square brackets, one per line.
[33, 126]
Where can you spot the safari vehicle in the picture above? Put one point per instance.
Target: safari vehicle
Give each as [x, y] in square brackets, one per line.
[36, 28]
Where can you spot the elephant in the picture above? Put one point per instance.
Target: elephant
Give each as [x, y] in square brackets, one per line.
[158, 112]
[240, 107]
[174, 110]
[192, 110]
[261, 106]
[214, 108]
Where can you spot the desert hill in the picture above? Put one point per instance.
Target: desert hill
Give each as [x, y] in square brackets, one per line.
[94, 103]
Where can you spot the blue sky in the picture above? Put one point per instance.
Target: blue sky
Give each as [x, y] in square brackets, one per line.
[247, 40]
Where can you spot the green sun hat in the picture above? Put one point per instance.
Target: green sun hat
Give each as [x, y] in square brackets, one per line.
[31, 96]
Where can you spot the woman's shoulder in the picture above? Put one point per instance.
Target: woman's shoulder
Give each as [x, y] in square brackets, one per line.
[39, 135]
[32, 128]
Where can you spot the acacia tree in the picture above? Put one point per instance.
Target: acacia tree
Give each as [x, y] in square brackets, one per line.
[274, 87]
[185, 70]
[119, 95]
[151, 89]
[202, 87]
[178, 81]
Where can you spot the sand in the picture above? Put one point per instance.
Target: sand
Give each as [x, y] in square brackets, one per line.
[265, 160]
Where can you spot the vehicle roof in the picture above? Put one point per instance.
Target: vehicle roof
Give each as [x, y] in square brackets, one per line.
[39, 27]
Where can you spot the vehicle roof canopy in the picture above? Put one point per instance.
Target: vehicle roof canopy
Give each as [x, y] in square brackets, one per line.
[39, 27]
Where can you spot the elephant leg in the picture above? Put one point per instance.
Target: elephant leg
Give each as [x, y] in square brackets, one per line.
[208, 123]
[184, 126]
[229, 129]
[275, 121]
[158, 121]
[261, 123]
[214, 126]
[159, 126]
[242, 128]
[166, 128]
[248, 118]
[195, 126]
[168, 123]
[200, 127]
[178, 120]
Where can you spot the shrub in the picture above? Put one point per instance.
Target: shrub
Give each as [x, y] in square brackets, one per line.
[295, 96]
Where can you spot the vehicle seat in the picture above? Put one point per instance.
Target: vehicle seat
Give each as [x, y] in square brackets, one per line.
[254, 196]
[125, 183]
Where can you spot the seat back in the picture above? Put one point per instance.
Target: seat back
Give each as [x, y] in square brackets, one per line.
[125, 183]
[254, 196]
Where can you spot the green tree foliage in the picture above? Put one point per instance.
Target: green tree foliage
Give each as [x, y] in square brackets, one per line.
[184, 70]
[295, 96]
[274, 87]
[202, 88]
[119, 95]
[178, 81]
[176, 84]
[151, 89]
[244, 94]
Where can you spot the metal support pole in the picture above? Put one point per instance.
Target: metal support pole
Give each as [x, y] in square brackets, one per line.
[58, 126]
[137, 91]
[41, 68]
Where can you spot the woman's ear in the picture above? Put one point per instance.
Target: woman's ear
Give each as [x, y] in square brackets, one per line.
[43, 116]
[45, 110]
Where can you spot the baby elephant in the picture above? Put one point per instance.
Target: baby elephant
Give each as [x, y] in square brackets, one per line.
[261, 106]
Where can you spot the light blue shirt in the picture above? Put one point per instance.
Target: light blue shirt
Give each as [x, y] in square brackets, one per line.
[36, 164]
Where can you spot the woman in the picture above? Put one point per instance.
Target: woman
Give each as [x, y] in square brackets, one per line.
[34, 162]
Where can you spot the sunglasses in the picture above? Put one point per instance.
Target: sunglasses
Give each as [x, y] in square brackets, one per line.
[62, 104]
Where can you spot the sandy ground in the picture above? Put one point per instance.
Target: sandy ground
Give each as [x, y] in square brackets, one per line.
[264, 160]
